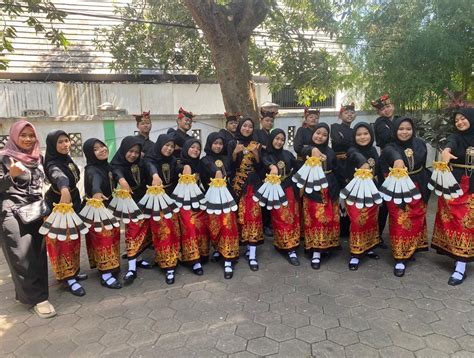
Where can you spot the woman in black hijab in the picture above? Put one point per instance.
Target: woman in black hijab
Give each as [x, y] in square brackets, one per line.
[321, 208]
[194, 222]
[63, 174]
[407, 221]
[453, 233]
[103, 248]
[364, 233]
[286, 219]
[166, 232]
[223, 227]
[128, 172]
[244, 157]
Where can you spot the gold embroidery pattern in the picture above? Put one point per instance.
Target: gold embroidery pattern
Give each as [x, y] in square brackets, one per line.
[287, 239]
[362, 242]
[456, 243]
[404, 219]
[363, 217]
[64, 264]
[167, 257]
[321, 239]
[403, 247]
[104, 258]
[137, 242]
[226, 244]
[245, 168]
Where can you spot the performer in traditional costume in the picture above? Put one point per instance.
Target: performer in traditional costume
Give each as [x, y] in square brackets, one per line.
[144, 127]
[286, 219]
[305, 132]
[180, 134]
[364, 230]
[166, 233]
[454, 225]
[129, 173]
[223, 228]
[228, 133]
[341, 140]
[267, 119]
[244, 157]
[407, 221]
[321, 208]
[194, 223]
[103, 248]
[21, 186]
[63, 174]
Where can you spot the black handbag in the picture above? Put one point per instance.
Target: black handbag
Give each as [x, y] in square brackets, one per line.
[30, 213]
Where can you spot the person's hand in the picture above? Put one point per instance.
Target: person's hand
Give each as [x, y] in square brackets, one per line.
[187, 169]
[238, 148]
[156, 180]
[446, 155]
[273, 169]
[256, 150]
[316, 153]
[99, 196]
[65, 196]
[16, 168]
[398, 164]
[219, 175]
[124, 185]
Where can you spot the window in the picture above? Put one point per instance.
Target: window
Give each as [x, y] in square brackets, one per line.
[3, 140]
[76, 144]
[196, 133]
[291, 135]
[287, 98]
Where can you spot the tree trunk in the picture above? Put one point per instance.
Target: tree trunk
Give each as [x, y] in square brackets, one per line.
[227, 30]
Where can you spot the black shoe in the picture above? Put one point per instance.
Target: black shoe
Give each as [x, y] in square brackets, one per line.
[373, 255]
[114, 285]
[128, 279]
[144, 265]
[228, 274]
[82, 277]
[124, 255]
[216, 256]
[253, 267]
[383, 245]
[316, 264]
[353, 267]
[455, 281]
[294, 261]
[77, 292]
[198, 271]
[399, 272]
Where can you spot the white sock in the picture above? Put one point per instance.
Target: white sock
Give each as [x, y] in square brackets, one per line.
[216, 254]
[292, 254]
[316, 256]
[73, 284]
[252, 252]
[196, 266]
[132, 265]
[106, 276]
[400, 266]
[354, 261]
[228, 266]
[461, 268]
[169, 274]
[370, 252]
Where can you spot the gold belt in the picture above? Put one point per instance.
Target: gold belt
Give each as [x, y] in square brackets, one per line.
[341, 155]
[463, 166]
[327, 171]
[415, 171]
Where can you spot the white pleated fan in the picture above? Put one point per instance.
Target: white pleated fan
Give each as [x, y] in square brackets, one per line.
[124, 207]
[443, 182]
[63, 222]
[311, 176]
[361, 190]
[187, 193]
[156, 202]
[271, 194]
[399, 187]
[95, 214]
[218, 198]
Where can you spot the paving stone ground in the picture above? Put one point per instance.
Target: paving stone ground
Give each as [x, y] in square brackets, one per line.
[280, 310]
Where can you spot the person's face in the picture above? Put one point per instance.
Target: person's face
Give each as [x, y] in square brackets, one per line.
[461, 122]
[278, 141]
[168, 149]
[267, 123]
[63, 145]
[362, 136]
[144, 127]
[185, 123]
[133, 153]
[312, 119]
[101, 151]
[194, 151]
[405, 131]
[232, 126]
[217, 146]
[27, 139]
[320, 136]
[386, 111]
[247, 129]
[348, 116]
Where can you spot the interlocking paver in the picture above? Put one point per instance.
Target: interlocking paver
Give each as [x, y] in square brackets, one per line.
[327, 349]
[231, 344]
[280, 332]
[360, 350]
[430, 353]
[311, 334]
[262, 346]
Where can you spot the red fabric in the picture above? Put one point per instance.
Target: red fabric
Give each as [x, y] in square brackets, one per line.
[224, 234]
[137, 238]
[286, 223]
[166, 235]
[321, 223]
[250, 219]
[103, 249]
[453, 233]
[194, 235]
[64, 256]
[364, 228]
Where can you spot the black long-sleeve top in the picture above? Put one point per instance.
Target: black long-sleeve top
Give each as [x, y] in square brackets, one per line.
[261, 136]
[147, 144]
[135, 176]
[166, 170]
[210, 164]
[179, 138]
[341, 137]
[383, 131]
[60, 177]
[228, 137]
[99, 179]
[286, 163]
[302, 140]
[357, 158]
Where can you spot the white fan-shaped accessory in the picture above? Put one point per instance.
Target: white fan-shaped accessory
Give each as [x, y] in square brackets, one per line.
[124, 207]
[63, 222]
[156, 202]
[399, 187]
[271, 194]
[443, 182]
[96, 215]
[361, 190]
[187, 193]
[218, 198]
[311, 175]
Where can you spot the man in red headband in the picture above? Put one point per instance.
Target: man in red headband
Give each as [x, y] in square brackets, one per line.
[144, 128]
[383, 124]
[180, 134]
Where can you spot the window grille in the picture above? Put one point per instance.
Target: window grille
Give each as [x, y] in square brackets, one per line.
[291, 135]
[3, 140]
[287, 98]
[196, 133]
[76, 144]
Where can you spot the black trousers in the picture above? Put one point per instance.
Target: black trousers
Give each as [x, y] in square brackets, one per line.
[383, 215]
[25, 251]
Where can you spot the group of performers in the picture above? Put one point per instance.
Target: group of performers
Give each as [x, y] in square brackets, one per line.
[241, 156]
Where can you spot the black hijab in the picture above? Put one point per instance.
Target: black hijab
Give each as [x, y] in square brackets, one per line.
[160, 143]
[316, 127]
[240, 137]
[52, 156]
[211, 138]
[368, 150]
[271, 137]
[127, 143]
[88, 149]
[397, 122]
[186, 159]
